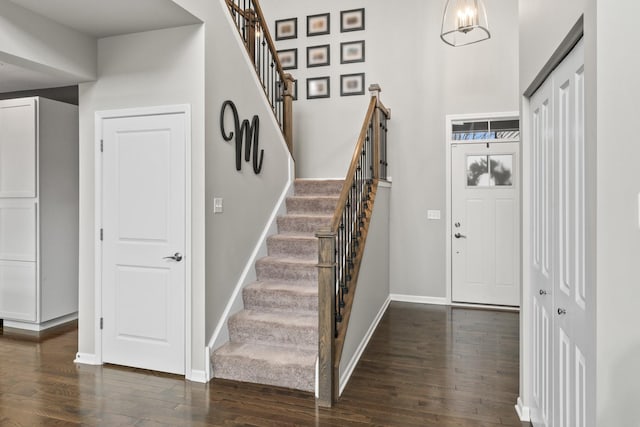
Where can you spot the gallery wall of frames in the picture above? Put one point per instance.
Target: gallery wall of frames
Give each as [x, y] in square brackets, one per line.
[316, 53]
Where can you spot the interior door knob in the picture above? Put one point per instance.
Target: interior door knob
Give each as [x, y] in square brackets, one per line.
[543, 292]
[176, 257]
[562, 311]
[460, 236]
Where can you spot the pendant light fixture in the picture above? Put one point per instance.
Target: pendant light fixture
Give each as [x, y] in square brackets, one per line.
[464, 22]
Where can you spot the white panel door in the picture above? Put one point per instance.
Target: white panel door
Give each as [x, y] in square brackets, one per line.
[573, 346]
[542, 252]
[485, 234]
[18, 148]
[143, 288]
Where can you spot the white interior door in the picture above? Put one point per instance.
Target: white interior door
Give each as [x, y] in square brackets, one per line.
[542, 251]
[143, 211]
[573, 345]
[485, 223]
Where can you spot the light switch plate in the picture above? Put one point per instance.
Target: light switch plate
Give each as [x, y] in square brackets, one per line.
[433, 214]
[217, 205]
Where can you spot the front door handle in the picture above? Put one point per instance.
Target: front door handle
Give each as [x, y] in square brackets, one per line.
[460, 236]
[176, 257]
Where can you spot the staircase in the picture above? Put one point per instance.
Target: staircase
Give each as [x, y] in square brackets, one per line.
[274, 340]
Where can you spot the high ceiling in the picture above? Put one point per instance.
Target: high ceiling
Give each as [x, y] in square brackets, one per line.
[95, 18]
[103, 18]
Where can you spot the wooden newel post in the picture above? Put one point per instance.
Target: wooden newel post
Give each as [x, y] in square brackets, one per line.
[375, 90]
[326, 308]
[287, 115]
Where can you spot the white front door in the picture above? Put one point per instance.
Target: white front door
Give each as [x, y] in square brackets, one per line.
[485, 228]
[143, 228]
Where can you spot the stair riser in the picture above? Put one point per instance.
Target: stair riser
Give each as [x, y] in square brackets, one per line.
[272, 333]
[319, 188]
[318, 206]
[287, 224]
[280, 271]
[255, 299]
[293, 248]
[240, 369]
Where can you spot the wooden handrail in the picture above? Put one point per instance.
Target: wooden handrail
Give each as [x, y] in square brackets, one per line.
[254, 31]
[344, 194]
[341, 245]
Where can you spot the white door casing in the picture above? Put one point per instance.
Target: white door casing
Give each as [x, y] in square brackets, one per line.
[485, 223]
[144, 222]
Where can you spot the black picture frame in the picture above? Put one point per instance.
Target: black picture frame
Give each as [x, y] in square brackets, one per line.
[287, 29]
[352, 20]
[351, 52]
[352, 84]
[318, 56]
[288, 59]
[322, 88]
[318, 25]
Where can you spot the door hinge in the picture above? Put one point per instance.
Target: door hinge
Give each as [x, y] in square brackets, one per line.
[101, 234]
[101, 323]
[102, 145]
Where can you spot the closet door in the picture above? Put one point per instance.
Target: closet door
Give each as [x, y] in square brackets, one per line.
[573, 341]
[18, 148]
[542, 252]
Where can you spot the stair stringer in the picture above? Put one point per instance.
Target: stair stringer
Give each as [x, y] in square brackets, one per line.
[235, 304]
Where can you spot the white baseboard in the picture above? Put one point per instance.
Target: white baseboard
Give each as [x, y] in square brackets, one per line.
[198, 376]
[523, 411]
[346, 375]
[86, 359]
[416, 299]
[39, 327]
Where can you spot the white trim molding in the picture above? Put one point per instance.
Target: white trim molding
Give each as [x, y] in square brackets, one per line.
[523, 411]
[346, 375]
[87, 359]
[39, 327]
[418, 299]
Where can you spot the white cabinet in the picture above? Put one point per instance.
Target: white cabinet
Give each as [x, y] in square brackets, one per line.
[38, 212]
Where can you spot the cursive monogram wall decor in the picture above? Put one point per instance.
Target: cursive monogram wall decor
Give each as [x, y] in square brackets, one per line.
[247, 131]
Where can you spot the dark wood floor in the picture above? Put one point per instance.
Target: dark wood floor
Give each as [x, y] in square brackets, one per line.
[425, 366]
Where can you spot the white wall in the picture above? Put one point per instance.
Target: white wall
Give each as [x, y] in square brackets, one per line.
[543, 25]
[39, 44]
[372, 292]
[618, 216]
[163, 67]
[249, 199]
[422, 81]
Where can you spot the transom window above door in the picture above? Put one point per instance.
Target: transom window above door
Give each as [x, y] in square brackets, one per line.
[502, 130]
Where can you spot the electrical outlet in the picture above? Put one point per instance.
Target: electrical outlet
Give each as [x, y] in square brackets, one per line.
[217, 205]
[433, 214]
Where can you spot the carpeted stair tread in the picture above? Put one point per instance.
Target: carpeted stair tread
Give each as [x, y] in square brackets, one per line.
[318, 186]
[277, 295]
[312, 204]
[293, 245]
[296, 329]
[266, 364]
[303, 223]
[287, 269]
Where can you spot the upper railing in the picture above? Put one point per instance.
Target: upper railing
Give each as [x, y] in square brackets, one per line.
[341, 246]
[277, 85]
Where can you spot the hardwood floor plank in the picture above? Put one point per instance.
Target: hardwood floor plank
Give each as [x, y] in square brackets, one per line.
[425, 366]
